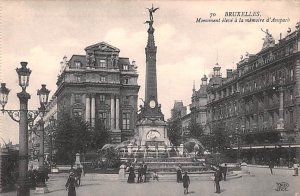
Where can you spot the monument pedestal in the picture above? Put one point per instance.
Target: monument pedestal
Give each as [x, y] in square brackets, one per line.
[153, 133]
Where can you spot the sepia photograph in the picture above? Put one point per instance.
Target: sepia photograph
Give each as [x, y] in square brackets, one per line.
[149, 98]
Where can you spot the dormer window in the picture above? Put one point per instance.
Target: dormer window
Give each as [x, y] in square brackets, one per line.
[125, 67]
[102, 63]
[77, 64]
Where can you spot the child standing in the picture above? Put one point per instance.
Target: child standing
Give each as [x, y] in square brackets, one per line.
[186, 183]
[155, 176]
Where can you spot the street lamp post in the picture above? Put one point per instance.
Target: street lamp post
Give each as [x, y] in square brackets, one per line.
[21, 116]
[43, 94]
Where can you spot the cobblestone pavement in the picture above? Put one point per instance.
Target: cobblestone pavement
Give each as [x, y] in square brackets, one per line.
[260, 183]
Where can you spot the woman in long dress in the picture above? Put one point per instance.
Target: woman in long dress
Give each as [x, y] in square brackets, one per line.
[71, 184]
[131, 175]
[179, 174]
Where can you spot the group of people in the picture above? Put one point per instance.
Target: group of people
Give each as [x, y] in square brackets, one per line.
[185, 179]
[142, 171]
[74, 180]
[219, 175]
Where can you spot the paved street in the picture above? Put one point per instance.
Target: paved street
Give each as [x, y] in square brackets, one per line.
[261, 184]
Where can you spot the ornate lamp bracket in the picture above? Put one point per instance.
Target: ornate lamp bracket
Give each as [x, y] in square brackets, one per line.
[15, 114]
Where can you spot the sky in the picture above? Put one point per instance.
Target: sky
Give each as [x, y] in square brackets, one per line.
[42, 32]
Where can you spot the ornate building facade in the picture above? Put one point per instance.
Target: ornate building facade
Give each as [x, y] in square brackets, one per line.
[198, 105]
[100, 86]
[258, 104]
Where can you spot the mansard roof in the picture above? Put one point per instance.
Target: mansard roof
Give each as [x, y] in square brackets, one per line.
[124, 61]
[103, 46]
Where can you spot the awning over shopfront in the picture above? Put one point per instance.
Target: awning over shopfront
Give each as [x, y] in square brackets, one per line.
[266, 146]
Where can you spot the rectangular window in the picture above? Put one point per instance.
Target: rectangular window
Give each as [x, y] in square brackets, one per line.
[125, 67]
[126, 81]
[102, 98]
[102, 79]
[78, 78]
[102, 63]
[292, 74]
[126, 121]
[291, 95]
[273, 77]
[77, 64]
[78, 98]
[291, 117]
[77, 113]
[102, 116]
[126, 100]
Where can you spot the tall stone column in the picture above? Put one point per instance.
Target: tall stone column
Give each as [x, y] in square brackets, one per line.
[87, 108]
[93, 110]
[112, 112]
[117, 112]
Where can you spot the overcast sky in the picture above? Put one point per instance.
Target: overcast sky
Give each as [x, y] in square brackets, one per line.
[42, 32]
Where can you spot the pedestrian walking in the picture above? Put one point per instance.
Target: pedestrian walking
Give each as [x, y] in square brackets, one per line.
[271, 166]
[144, 171]
[217, 179]
[186, 183]
[140, 174]
[224, 171]
[295, 166]
[78, 175]
[131, 175]
[179, 174]
[71, 184]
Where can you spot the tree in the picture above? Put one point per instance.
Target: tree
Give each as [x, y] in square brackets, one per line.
[220, 140]
[99, 136]
[72, 136]
[112, 157]
[174, 131]
[196, 130]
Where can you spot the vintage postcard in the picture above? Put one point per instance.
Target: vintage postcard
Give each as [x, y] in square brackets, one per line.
[111, 97]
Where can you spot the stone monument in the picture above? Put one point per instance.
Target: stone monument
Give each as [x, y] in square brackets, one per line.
[151, 126]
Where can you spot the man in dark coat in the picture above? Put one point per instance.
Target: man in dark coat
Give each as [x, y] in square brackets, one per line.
[217, 179]
[140, 174]
[186, 183]
[78, 175]
[271, 166]
[224, 171]
[144, 166]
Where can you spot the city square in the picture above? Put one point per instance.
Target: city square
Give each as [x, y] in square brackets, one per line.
[117, 116]
[262, 183]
